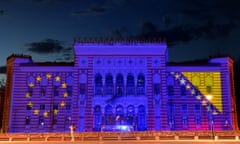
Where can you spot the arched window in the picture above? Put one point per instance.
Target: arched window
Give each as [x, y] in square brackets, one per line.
[130, 115]
[119, 85]
[141, 118]
[109, 85]
[98, 84]
[119, 115]
[97, 118]
[140, 84]
[130, 85]
[108, 115]
[98, 80]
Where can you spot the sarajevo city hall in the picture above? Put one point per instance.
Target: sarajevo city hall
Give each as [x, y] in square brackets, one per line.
[119, 86]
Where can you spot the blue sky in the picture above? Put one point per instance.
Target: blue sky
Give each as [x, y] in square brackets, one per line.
[45, 29]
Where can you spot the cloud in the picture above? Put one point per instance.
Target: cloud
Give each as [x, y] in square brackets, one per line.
[45, 47]
[2, 13]
[3, 69]
[92, 10]
[186, 33]
[53, 47]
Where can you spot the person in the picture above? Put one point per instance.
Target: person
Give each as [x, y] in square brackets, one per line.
[72, 129]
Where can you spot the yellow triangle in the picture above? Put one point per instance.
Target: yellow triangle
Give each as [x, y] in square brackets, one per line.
[216, 88]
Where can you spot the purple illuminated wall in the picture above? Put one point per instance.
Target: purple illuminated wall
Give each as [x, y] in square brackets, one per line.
[119, 86]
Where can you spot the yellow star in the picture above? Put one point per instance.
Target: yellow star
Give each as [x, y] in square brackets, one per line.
[27, 95]
[45, 114]
[65, 94]
[177, 76]
[38, 78]
[62, 104]
[30, 104]
[31, 85]
[55, 111]
[57, 78]
[36, 111]
[187, 86]
[49, 76]
[64, 85]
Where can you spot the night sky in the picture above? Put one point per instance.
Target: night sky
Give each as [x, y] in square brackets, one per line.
[45, 29]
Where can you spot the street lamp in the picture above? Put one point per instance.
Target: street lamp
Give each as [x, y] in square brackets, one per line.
[209, 98]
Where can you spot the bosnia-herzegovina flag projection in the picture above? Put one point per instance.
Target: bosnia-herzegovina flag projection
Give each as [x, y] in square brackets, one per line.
[207, 83]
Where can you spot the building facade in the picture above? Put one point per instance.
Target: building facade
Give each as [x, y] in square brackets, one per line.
[119, 86]
[2, 96]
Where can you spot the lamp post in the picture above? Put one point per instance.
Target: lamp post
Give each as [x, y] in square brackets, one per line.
[209, 98]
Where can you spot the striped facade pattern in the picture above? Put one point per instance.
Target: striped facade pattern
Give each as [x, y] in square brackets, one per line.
[163, 112]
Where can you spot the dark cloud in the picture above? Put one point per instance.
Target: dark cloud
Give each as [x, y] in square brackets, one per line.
[92, 10]
[3, 69]
[186, 33]
[123, 32]
[211, 10]
[46, 46]
[2, 13]
[148, 27]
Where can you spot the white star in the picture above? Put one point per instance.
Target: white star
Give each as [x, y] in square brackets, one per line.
[198, 97]
[182, 81]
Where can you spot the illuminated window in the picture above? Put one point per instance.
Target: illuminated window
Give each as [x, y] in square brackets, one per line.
[141, 118]
[130, 115]
[109, 85]
[27, 120]
[68, 120]
[119, 118]
[56, 91]
[140, 85]
[43, 91]
[41, 120]
[108, 115]
[82, 88]
[130, 85]
[119, 85]
[42, 107]
[98, 84]
[156, 88]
